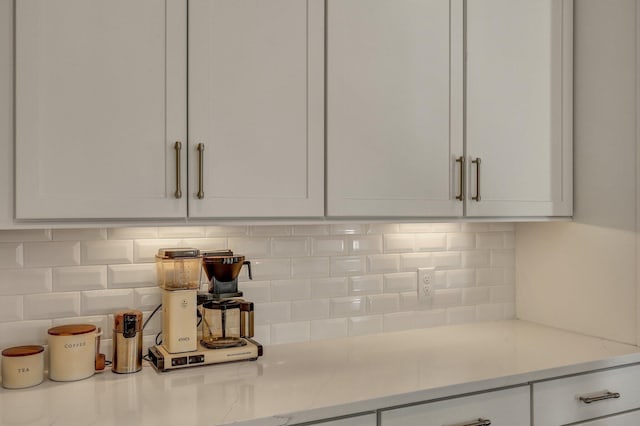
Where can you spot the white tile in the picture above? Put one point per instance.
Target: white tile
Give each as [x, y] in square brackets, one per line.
[11, 255]
[490, 240]
[135, 275]
[87, 234]
[147, 298]
[476, 295]
[205, 243]
[58, 253]
[249, 247]
[106, 252]
[461, 278]
[329, 329]
[399, 321]
[292, 332]
[431, 318]
[105, 301]
[25, 281]
[447, 260]
[24, 333]
[490, 276]
[360, 326]
[265, 269]
[10, 308]
[51, 305]
[310, 267]
[270, 230]
[509, 240]
[347, 229]
[181, 232]
[383, 303]
[305, 310]
[18, 236]
[100, 321]
[475, 227]
[328, 246]
[503, 294]
[262, 334]
[409, 301]
[366, 244]
[399, 243]
[447, 297]
[289, 247]
[413, 261]
[383, 228]
[154, 326]
[132, 233]
[146, 250]
[77, 278]
[347, 265]
[322, 288]
[226, 231]
[502, 226]
[446, 227]
[380, 263]
[503, 258]
[311, 230]
[365, 284]
[492, 312]
[256, 291]
[461, 241]
[510, 275]
[272, 313]
[431, 242]
[348, 306]
[285, 290]
[509, 311]
[400, 282]
[476, 258]
[461, 315]
[416, 227]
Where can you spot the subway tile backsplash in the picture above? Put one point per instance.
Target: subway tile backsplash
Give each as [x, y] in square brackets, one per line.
[310, 282]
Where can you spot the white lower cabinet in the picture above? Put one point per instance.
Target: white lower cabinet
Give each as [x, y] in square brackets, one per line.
[626, 419]
[508, 407]
[588, 396]
[365, 420]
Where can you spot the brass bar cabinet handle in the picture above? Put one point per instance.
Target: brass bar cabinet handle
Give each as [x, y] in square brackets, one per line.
[200, 171]
[460, 196]
[479, 422]
[178, 148]
[601, 397]
[477, 162]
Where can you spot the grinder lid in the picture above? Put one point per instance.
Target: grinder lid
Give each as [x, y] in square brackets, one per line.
[129, 321]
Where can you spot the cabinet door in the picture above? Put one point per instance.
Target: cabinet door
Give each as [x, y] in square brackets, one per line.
[256, 104]
[509, 407]
[519, 107]
[100, 103]
[366, 420]
[627, 419]
[394, 107]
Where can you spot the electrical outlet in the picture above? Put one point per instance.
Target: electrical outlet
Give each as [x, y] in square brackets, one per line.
[426, 284]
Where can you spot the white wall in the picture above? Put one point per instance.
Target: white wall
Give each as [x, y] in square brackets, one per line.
[6, 111]
[581, 276]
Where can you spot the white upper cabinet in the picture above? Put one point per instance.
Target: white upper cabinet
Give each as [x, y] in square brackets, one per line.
[100, 103]
[256, 107]
[519, 107]
[394, 116]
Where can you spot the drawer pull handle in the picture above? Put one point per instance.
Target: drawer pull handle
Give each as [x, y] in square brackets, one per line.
[477, 162]
[200, 193]
[178, 148]
[601, 397]
[479, 422]
[460, 197]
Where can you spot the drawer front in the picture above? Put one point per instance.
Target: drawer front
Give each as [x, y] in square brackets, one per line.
[557, 402]
[627, 419]
[509, 407]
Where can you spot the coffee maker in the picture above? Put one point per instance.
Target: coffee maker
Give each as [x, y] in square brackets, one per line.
[201, 328]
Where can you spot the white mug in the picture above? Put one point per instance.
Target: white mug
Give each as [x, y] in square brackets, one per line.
[73, 352]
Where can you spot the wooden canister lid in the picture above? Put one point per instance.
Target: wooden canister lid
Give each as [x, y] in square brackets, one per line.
[18, 351]
[71, 329]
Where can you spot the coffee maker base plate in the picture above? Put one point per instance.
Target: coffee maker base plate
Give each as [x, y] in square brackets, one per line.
[162, 360]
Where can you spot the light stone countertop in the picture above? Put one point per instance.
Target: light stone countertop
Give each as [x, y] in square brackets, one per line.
[308, 381]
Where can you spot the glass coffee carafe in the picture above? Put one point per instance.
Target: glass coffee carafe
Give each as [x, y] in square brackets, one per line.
[221, 325]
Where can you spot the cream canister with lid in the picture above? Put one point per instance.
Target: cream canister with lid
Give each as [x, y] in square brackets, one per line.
[73, 352]
[22, 366]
